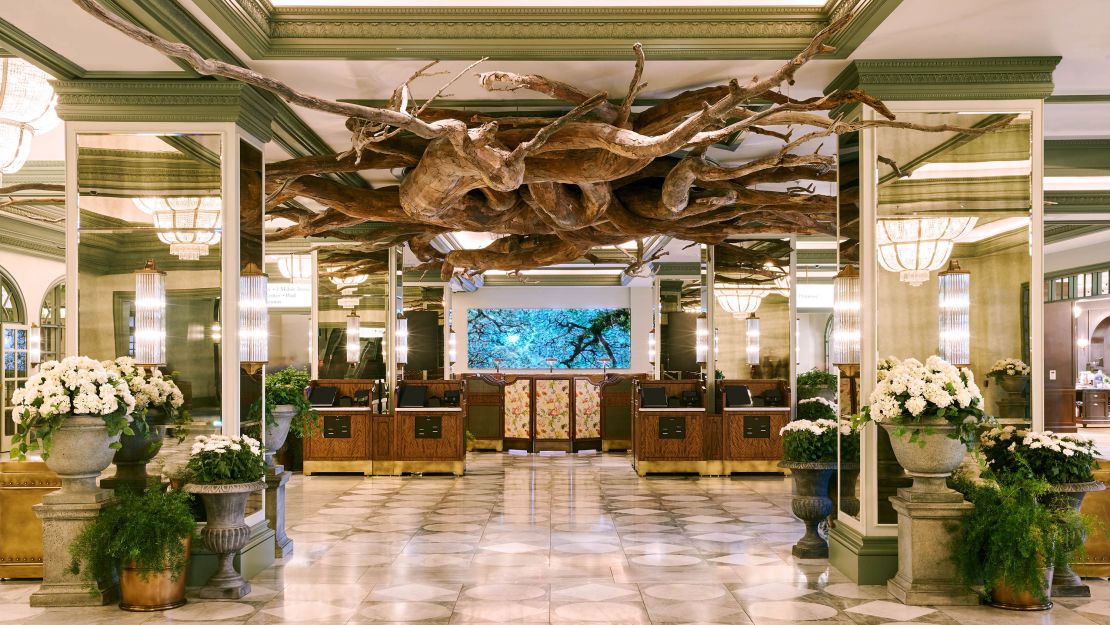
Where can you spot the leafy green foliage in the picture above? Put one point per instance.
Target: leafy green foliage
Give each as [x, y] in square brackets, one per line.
[285, 387]
[816, 408]
[1051, 457]
[225, 460]
[817, 377]
[1010, 537]
[145, 528]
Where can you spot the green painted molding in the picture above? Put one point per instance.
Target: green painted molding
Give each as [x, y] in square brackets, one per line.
[993, 78]
[586, 33]
[28, 236]
[677, 269]
[39, 54]
[37, 172]
[1077, 98]
[1076, 157]
[866, 560]
[165, 101]
[1063, 202]
[136, 173]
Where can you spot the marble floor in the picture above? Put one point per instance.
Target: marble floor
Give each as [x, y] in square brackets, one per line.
[548, 540]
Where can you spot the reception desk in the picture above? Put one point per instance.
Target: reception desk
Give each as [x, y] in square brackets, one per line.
[673, 439]
[354, 439]
[749, 435]
[549, 412]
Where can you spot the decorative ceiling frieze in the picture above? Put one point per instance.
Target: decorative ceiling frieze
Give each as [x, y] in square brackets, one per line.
[991, 78]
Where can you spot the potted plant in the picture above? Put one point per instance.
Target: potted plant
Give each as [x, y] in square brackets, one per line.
[1010, 373]
[932, 412]
[144, 539]
[817, 383]
[224, 471]
[1010, 543]
[286, 409]
[1066, 463]
[809, 451]
[815, 408]
[158, 402]
[74, 411]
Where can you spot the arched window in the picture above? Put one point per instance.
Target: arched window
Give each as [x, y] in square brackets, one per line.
[52, 321]
[11, 302]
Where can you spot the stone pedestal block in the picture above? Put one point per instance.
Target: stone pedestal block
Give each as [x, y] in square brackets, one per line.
[926, 573]
[64, 515]
[1013, 410]
[276, 479]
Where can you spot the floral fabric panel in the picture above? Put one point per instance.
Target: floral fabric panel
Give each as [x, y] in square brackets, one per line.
[587, 409]
[518, 408]
[552, 409]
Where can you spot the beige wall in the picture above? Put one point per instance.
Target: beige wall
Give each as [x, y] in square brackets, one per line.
[33, 275]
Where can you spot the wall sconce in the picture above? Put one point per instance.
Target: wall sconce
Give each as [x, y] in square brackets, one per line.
[550, 364]
[651, 355]
[605, 362]
[354, 344]
[497, 364]
[752, 339]
[150, 316]
[846, 323]
[34, 344]
[452, 347]
[254, 319]
[402, 341]
[955, 314]
[1082, 343]
[701, 340]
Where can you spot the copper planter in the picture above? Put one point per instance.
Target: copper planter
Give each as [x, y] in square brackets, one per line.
[154, 592]
[1005, 597]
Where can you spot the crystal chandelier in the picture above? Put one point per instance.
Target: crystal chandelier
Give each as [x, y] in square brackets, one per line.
[916, 246]
[254, 319]
[701, 340]
[402, 341]
[846, 321]
[295, 266]
[187, 224]
[739, 300]
[955, 314]
[752, 339]
[347, 282]
[354, 344]
[150, 316]
[26, 109]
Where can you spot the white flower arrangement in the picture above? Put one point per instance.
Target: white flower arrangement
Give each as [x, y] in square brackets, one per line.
[885, 365]
[816, 427]
[1008, 367]
[152, 390]
[1053, 457]
[817, 408]
[74, 386]
[219, 459]
[909, 392]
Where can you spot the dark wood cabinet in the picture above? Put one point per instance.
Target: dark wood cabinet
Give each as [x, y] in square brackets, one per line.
[1092, 406]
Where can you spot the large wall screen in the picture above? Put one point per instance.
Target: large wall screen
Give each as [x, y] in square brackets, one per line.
[542, 338]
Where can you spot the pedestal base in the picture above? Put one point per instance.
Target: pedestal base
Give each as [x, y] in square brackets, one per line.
[64, 516]
[276, 479]
[236, 591]
[1071, 590]
[926, 574]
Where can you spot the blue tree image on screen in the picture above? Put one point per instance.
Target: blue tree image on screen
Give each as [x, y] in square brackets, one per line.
[523, 337]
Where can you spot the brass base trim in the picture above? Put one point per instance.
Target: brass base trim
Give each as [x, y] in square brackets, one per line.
[1096, 569]
[616, 443]
[365, 467]
[151, 608]
[645, 467]
[753, 466]
[456, 467]
[27, 570]
[489, 444]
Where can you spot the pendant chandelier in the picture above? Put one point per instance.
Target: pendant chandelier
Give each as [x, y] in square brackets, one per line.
[955, 314]
[751, 336]
[150, 316]
[846, 317]
[452, 347]
[354, 344]
[26, 109]
[916, 246]
[254, 319]
[187, 224]
[402, 341]
[740, 300]
[347, 282]
[295, 266]
[701, 340]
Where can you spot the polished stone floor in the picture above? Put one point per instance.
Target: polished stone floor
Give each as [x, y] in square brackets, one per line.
[548, 540]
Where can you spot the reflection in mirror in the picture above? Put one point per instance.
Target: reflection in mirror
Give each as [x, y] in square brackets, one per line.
[680, 305]
[352, 303]
[751, 299]
[423, 309]
[844, 344]
[251, 241]
[953, 257]
[143, 197]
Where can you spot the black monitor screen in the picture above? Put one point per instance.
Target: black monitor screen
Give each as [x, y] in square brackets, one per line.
[413, 396]
[323, 396]
[653, 397]
[737, 396]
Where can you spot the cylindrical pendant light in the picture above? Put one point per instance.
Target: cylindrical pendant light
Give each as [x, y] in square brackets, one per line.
[701, 340]
[354, 339]
[846, 322]
[651, 347]
[402, 341]
[34, 344]
[955, 314]
[295, 266]
[752, 339]
[452, 347]
[150, 316]
[254, 319]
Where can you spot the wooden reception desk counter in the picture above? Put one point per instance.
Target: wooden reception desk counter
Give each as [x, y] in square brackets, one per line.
[354, 439]
[687, 439]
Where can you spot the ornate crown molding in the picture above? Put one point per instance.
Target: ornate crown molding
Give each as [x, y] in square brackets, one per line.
[993, 78]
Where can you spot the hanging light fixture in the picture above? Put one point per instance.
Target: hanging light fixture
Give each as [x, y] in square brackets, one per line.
[955, 314]
[752, 339]
[34, 344]
[651, 347]
[701, 340]
[916, 246]
[402, 340]
[846, 317]
[452, 347]
[26, 109]
[254, 319]
[739, 300]
[150, 316]
[295, 266]
[354, 344]
[347, 282]
[187, 224]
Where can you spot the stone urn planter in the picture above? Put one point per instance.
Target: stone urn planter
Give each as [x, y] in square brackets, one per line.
[1065, 581]
[80, 453]
[930, 459]
[1002, 596]
[1013, 384]
[847, 498]
[811, 504]
[225, 533]
[277, 433]
[137, 451]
